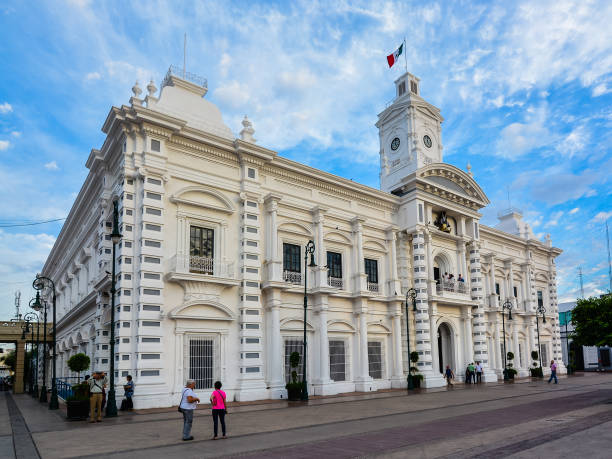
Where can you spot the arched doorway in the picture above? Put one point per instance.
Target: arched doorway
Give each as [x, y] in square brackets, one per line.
[445, 348]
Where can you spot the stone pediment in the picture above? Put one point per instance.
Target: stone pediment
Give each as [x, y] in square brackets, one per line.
[453, 184]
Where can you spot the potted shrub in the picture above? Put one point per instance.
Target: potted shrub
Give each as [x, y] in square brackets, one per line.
[413, 371]
[77, 405]
[510, 371]
[294, 388]
[536, 371]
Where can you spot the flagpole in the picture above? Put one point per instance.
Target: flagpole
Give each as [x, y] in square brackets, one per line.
[405, 58]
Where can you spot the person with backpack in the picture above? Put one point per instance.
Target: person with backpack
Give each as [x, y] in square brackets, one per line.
[219, 409]
[187, 406]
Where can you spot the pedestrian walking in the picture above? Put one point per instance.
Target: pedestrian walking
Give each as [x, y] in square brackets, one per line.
[478, 372]
[448, 374]
[219, 410]
[189, 401]
[96, 387]
[553, 372]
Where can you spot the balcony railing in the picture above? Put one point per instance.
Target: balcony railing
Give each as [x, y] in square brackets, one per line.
[336, 282]
[450, 286]
[373, 287]
[201, 265]
[293, 277]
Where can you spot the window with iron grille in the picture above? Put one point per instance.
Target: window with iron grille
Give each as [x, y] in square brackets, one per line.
[291, 258]
[294, 345]
[337, 361]
[375, 359]
[201, 242]
[201, 362]
[334, 265]
[371, 269]
[540, 298]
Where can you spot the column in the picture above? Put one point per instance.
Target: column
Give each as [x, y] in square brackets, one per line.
[468, 344]
[363, 381]
[273, 261]
[361, 279]
[393, 286]
[554, 313]
[493, 302]
[321, 381]
[515, 345]
[423, 275]
[499, 359]
[479, 335]
[19, 367]
[320, 272]
[275, 364]
[533, 345]
[397, 379]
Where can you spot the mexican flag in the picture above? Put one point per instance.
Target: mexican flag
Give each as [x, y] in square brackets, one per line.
[392, 58]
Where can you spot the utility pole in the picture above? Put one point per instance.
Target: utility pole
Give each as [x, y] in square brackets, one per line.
[609, 262]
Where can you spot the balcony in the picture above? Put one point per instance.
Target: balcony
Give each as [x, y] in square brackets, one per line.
[373, 287]
[202, 269]
[293, 277]
[335, 282]
[451, 287]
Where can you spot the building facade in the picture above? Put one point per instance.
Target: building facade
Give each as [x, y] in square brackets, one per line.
[211, 264]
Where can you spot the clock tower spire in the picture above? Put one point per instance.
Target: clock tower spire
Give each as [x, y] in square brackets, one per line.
[410, 134]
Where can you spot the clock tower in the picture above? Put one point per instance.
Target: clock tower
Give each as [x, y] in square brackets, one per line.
[410, 134]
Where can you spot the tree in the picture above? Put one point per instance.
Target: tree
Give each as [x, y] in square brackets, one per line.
[10, 360]
[592, 321]
[78, 363]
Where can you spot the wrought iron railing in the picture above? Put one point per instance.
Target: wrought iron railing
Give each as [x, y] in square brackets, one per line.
[64, 388]
[373, 287]
[453, 286]
[293, 277]
[336, 282]
[181, 73]
[201, 265]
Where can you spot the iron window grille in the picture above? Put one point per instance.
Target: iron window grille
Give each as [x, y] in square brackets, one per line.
[337, 361]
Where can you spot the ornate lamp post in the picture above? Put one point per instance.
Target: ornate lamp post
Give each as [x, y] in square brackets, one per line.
[24, 335]
[34, 306]
[507, 305]
[29, 318]
[44, 283]
[309, 249]
[111, 403]
[412, 294]
[540, 310]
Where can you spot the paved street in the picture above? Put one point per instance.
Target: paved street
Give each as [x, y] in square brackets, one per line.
[521, 420]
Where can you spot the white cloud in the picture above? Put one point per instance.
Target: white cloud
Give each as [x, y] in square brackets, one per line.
[602, 217]
[517, 139]
[4, 144]
[574, 210]
[553, 220]
[92, 76]
[6, 108]
[600, 90]
[52, 166]
[16, 134]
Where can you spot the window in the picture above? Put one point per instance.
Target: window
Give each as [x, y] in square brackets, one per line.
[155, 244]
[540, 298]
[125, 340]
[251, 230]
[291, 258]
[155, 196]
[334, 265]
[202, 244]
[252, 370]
[154, 181]
[371, 269]
[128, 245]
[151, 276]
[150, 307]
[413, 87]
[497, 288]
[402, 88]
[252, 340]
[125, 357]
[152, 211]
[155, 145]
[201, 360]
[128, 212]
[151, 260]
[251, 355]
[375, 359]
[151, 291]
[544, 353]
[151, 227]
[515, 290]
[251, 203]
[293, 345]
[337, 361]
[148, 323]
[150, 340]
[251, 173]
[149, 356]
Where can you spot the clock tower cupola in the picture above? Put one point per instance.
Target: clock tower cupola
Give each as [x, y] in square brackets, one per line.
[410, 134]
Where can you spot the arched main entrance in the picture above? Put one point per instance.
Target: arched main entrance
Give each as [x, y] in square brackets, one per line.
[445, 347]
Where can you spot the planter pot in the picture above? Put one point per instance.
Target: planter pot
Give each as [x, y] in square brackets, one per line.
[294, 394]
[416, 382]
[77, 409]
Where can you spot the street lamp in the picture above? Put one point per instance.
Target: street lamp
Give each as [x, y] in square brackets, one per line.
[412, 294]
[507, 305]
[45, 283]
[111, 403]
[38, 306]
[32, 304]
[540, 310]
[24, 335]
[309, 249]
[29, 318]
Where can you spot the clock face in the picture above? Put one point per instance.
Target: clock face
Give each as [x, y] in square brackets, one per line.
[395, 143]
[427, 141]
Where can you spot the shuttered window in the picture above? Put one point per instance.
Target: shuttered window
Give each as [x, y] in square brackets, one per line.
[291, 258]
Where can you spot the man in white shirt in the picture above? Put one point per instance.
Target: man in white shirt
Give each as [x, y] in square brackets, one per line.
[188, 404]
[96, 384]
[478, 372]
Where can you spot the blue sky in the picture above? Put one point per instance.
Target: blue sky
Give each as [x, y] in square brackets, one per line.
[525, 90]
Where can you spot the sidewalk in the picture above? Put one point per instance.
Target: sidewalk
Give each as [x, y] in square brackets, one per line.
[273, 424]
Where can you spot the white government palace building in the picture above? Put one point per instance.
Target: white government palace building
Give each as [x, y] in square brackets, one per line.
[210, 268]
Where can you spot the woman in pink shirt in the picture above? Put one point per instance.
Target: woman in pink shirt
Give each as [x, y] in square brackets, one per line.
[219, 410]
